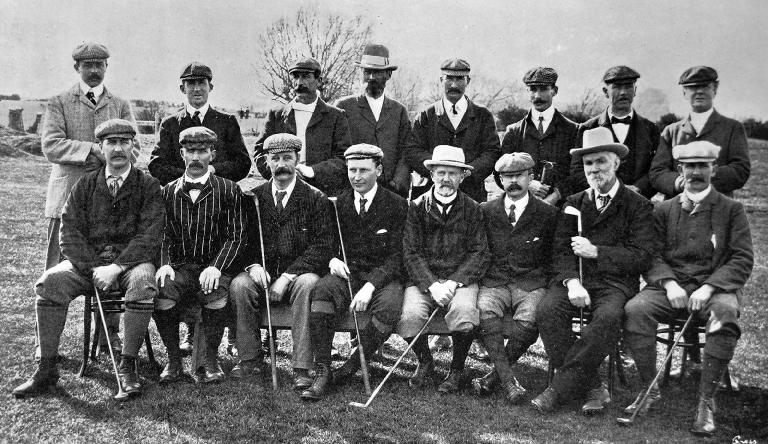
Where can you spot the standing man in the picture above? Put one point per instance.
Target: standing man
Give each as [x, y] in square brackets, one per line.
[372, 220]
[444, 251]
[520, 229]
[704, 264]
[598, 269]
[546, 135]
[298, 231]
[68, 142]
[204, 233]
[322, 129]
[703, 123]
[639, 134]
[111, 229]
[231, 161]
[457, 121]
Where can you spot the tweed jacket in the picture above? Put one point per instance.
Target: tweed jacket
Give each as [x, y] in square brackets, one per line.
[392, 133]
[434, 249]
[300, 239]
[519, 254]
[732, 258]
[207, 232]
[374, 242]
[554, 146]
[642, 140]
[476, 135]
[733, 163]
[96, 226]
[231, 160]
[68, 136]
[626, 242]
[327, 137]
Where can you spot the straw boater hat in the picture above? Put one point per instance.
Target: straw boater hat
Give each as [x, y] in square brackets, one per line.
[447, 155]
[599, 140]
[375, 57]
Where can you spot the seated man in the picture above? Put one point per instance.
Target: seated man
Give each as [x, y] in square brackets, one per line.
[444, 251]
[520, 229]
[297, 228]
[111, 227]
[204, 233]
[705, 262]
[372, 220]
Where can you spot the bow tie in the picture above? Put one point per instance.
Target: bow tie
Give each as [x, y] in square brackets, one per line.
[189, 186]
[624, 120]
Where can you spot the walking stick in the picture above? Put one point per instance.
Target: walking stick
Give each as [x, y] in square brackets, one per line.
[121, 395]
[266, 297]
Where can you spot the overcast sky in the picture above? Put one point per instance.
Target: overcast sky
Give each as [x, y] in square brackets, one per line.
[151, 41]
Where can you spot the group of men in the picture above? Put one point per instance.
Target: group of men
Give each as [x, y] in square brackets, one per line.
[571, 231]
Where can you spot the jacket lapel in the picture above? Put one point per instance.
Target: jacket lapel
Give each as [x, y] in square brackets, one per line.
[612, 208]
[104, 100]
[431, 208]
[530, 127]
[365, 109]
[320, 110]
[469, 116]
[442, 117]
[296, 198]
[687, 128]
[386, 112]
[289, 120]
[710, 123]
[529, 214]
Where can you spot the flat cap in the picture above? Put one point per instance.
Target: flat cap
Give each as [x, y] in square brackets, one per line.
[305, 64]
[620, 74]
[455, 67]
[513, 162]
[697, 151]
[363, 151]
[698, 75]
[197, 134]
[196, 70]
[541, 75]
[281, 143]
[598, 140]
[115, 128]
[90, 51]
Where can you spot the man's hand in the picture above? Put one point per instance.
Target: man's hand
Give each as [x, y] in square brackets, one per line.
[163, 273]
[305, 171]
[676, 295]
[700, 297]
[339, 268]
[553, 198]
[577, 294]
[211, 169]
[539, 189]
[105, 276]
[362, 298]
[93, 162]
[277, 290]
[209, 279]
[259, 275]
[440, 293]
[582, 247]
[452, 286]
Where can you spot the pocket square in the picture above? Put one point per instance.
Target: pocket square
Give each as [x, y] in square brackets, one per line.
[382, 231]
[714, 241]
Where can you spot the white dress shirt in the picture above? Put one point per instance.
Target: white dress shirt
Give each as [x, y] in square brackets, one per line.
[302, 113]
[98, 90]
[120, 179]
[621, 130]
[376, 105]
[288, 191]
[520, 205]
[547, 114]
[461, 108]
[367, 196]
[698, 120]
[203, 110]
[612, 193]
[193, 194]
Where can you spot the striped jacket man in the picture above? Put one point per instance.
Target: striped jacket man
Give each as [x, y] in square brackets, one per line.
[207, 232]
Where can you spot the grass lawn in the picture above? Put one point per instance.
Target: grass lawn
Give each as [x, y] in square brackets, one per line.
[82, 409]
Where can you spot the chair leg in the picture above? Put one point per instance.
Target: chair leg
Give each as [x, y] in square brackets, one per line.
[670, 341]
[96, 338]
[613, 362]
[151, 354]
[550, 374]
[86, 334]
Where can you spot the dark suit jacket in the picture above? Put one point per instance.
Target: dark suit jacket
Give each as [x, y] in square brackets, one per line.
[327, 138]
[642, 140]
[131, 222]
[392, 133]
[301, 239]
[732, 164]
[231, 160]
[476, 135]
[435, 249]
[374, 243]
[553, 146]
[732, 258]
[521, 254]
[623, 235]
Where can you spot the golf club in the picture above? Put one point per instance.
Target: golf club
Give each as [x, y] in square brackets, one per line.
[361, 352]
[121, 395]
[629, 421]
[573, 211]
[394, 366]
[546, 168]
[273, 362]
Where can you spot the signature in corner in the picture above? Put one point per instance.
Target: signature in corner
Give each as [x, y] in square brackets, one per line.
[739, 440]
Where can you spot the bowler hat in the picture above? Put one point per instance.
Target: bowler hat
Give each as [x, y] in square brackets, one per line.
[196, 70]
[447, 155]
[115, 128]
[375, 57]
[90, 51]
[598, 140]
[696, 151]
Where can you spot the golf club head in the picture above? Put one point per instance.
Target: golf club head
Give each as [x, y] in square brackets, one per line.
[626, 422]
[122, 396]
[358, 405]
[333, 199]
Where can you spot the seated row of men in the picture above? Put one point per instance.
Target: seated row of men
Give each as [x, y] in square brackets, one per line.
[475, 262]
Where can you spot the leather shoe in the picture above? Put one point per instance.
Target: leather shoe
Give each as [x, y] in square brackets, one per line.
[546, 402]
[424, 373]
[301, 379]
[128, 374]
[452, 382]
[597, 399]
[319, 386]
[245, 369]
[653, 396]
[172, 372]
[514, 392]
[212, 371]
[486, 384]
[45, 377]
[704, 425]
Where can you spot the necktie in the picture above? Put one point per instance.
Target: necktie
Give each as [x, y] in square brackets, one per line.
[279, 198]
[362, 206]
[541, 125]
[511, 217]
[453, 110]
[624, 120]
[189, 186]
[196, 119]
[89, 95]
[114, 185]
[604, 199]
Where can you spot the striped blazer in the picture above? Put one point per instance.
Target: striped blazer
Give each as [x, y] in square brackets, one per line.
[208, 232]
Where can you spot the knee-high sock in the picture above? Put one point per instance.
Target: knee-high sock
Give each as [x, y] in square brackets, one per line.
[167, 322]
[492, 336]
[421, 349]
[461, 343]
[523, 335]
[137, 316]
[51, 318]
[711, 373]
[322, 328]
[214, 321]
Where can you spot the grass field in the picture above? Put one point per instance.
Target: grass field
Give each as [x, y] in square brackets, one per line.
[82, 411]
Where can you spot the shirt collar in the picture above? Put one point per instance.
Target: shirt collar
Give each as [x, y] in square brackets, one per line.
[461, 105]
[201, 179]
[310, 107]
[122, 177]
[98, 90]
[547, 114]
[630, 115]
[444, 200]
[612, 192]
[288, 190]
[702, 116]
[698, 197]
[369, 195]
[519, 203]
[203, 110]
[379, 101]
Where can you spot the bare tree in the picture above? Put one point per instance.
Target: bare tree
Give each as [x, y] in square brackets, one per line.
[407, 87]
[333, 40]
[489, 92]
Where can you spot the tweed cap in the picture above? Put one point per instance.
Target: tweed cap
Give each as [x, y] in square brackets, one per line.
[447, 155]
[363, 151]
[698, 75]
[375, 57]
[305, 64]
[514, 162]
[598, 140]
[115, 128]
[90, 51]
[541, 75]
[620, 74]
[455, 67]
[196, 70]
[281, 143]
[197, 134]
[696, 151]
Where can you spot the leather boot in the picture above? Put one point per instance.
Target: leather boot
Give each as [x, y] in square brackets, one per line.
[487, 384]
[128, 374]
[213, 322]
[492, 336]
[44, 378]
[317, 390]
[704, 425]
[425, 371]
[711, 374]
[371, 338]
[461, 344]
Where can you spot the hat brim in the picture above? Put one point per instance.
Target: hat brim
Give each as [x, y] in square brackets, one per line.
[118, 136]
[195, 77]
[698, 82]
[619, 149]
[697, 159]
[621, 81]
[450, 72]
[376, 67]
[430, 163]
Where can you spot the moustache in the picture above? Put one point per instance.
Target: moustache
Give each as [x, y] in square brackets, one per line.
[514, 187]
[196, 164]
[454, 90]
[94, 76]
[301, 89]
[282, 170]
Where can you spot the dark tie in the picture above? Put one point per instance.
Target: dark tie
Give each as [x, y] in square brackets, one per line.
[624, 120]
[541, 125]
[453, 110]
[114, 185]
[444, 208]
[189, 186]
[604, 199]
[196, 119]
[362, 206]
[279, 195]
[511, 217]
[91, 97]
